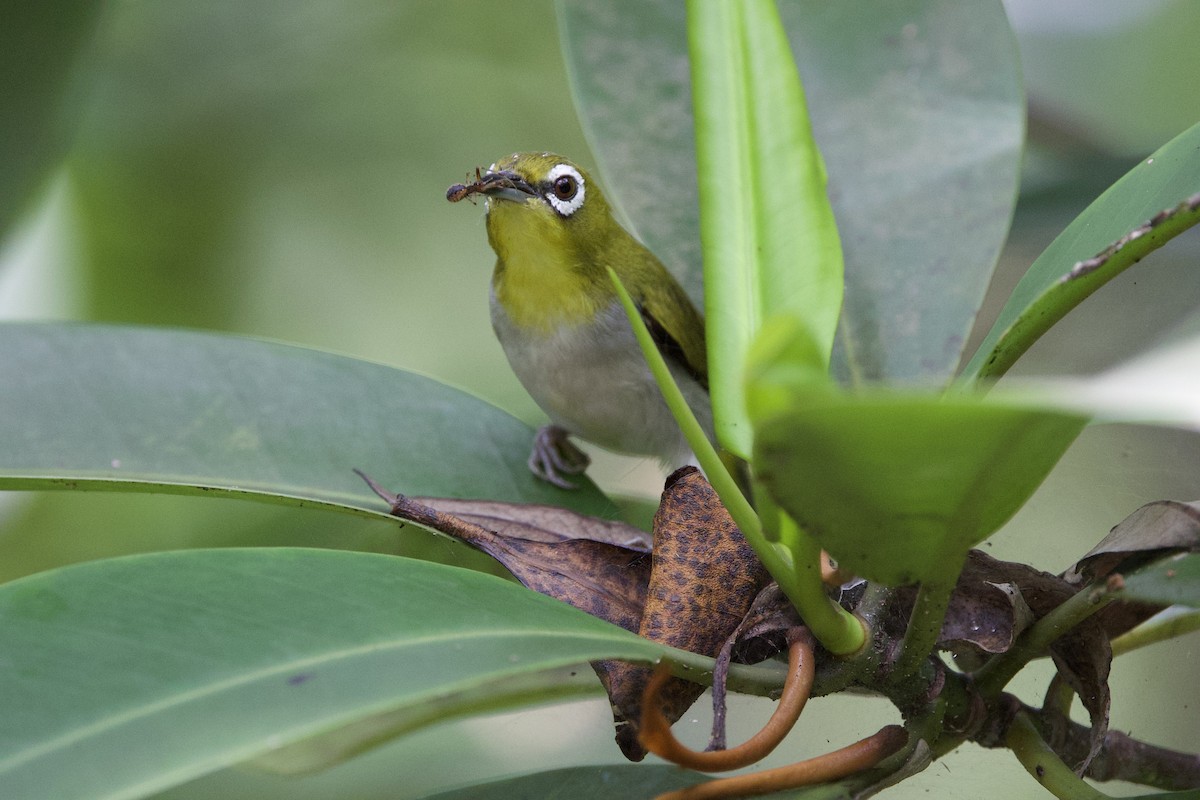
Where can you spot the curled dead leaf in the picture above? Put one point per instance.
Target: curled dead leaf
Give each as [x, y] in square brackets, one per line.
[547, 549]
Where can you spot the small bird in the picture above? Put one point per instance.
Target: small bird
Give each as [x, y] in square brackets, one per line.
[562, 326]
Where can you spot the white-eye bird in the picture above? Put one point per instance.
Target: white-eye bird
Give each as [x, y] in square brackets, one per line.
[562, 326]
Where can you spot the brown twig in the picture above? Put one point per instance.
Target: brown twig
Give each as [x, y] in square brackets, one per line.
[656, 736]
[861, 755]
[1122, 757]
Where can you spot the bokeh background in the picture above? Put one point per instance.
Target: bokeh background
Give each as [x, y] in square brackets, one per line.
[277, 168]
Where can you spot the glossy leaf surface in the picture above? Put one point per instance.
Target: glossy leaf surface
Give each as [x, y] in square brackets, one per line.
[899, 487]
[129, 675]
[642, 782]
[138, 409]
[917, 109]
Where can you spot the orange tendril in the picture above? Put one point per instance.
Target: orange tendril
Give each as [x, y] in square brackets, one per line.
[656, 736]
[861, 755]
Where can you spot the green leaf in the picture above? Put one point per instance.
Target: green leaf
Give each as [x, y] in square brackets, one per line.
[767, 231]
[126, 676]
[40, 45]
[918, 110]
[897, 487]
[142, 409]
[628, 781]
[1175, 579]
[1064, 275]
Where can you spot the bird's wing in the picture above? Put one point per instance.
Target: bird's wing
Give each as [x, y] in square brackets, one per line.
[670, 329]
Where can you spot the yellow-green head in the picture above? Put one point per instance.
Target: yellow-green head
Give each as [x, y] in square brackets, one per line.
[552, 232]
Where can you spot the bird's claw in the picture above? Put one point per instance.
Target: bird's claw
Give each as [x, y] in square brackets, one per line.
[555, 455]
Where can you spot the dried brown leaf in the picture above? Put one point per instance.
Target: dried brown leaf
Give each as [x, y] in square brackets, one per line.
[1149, 533]
[703, 579]
[1083, 655]
[1145, 535]
[541, 523]
[988, 610]
[994, 601]
[606, 580]
[692, 594]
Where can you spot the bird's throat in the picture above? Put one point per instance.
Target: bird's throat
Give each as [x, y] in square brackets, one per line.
[536, 280]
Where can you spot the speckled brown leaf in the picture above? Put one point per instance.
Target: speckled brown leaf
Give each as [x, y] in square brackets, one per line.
[703, 579]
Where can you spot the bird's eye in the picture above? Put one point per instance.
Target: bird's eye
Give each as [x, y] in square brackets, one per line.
[566, 189]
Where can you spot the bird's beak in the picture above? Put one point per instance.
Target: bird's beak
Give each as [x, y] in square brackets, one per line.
[505, 185]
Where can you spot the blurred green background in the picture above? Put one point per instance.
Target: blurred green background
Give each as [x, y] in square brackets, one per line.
[277, 168]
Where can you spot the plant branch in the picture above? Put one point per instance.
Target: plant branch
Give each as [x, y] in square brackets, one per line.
[1121, 758]
[991, 679]
[1084, 278]
[1044, 764]
[1168, 624]
[924, 625]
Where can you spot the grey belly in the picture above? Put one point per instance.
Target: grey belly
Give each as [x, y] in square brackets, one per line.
[592, 381]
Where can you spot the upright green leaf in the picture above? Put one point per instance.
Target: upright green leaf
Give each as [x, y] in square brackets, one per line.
[768, 235]
[140, 409]
[126, 676]
[1064, 275]
[917, 108]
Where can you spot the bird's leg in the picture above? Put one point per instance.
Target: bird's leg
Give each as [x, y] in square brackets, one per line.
[554, 455]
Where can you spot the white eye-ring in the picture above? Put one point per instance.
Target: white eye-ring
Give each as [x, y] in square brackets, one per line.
[566, 190]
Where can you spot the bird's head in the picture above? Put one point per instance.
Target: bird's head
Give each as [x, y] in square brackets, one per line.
[547, 202]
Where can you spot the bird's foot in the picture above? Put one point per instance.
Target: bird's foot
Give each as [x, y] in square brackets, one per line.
[554, 455]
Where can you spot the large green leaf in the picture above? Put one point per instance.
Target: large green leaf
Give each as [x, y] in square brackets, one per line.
[897, 487]
[40, 45]
[126, 676]
[629, 782]
[917, 108]
[140, 409]
[1062, 276]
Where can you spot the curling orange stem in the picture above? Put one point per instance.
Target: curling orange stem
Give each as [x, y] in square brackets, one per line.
[861, 755]
[656, 736]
